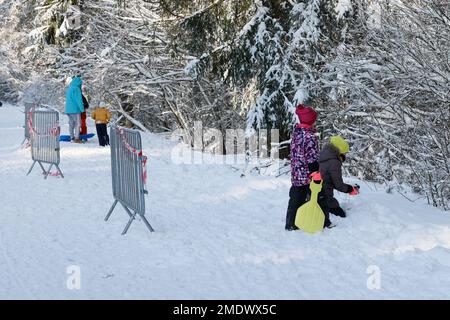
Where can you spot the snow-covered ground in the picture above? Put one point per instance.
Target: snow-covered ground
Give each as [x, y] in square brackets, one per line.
[218, 236]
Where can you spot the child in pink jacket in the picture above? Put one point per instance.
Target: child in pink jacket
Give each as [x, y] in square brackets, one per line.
[304, 161]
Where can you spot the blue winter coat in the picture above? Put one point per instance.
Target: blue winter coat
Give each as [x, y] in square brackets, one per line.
[74, 100]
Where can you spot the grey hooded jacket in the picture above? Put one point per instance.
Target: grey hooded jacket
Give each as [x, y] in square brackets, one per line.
[330, 167]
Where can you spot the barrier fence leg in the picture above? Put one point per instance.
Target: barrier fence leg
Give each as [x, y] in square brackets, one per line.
[32, 166]
[126, 209]
[111, 210]
[42, 167]
[48, 171]
[59, 170]
[146, 223]
[129, 223]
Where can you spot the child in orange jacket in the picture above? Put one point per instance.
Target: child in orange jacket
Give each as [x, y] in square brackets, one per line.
[101, 115]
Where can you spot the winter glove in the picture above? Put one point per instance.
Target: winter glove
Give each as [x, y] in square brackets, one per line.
[316, 176]
[355, 190]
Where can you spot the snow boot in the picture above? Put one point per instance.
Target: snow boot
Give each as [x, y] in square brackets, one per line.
[328, 225]
[291, 228]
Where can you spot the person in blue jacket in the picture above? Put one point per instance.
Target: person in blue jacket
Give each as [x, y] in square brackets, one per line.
[74, 108]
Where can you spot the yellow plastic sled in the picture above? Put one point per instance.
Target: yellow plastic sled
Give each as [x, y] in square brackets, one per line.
[310, 217]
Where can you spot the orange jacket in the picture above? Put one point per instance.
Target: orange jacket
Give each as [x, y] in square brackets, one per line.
[101, 115]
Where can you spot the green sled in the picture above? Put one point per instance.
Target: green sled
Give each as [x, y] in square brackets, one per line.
[310, 217]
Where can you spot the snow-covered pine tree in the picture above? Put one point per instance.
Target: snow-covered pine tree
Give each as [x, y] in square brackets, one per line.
[394, 92]
[123, 52]
[276, 49]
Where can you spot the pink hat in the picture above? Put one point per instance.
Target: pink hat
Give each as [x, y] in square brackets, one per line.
[306, 115]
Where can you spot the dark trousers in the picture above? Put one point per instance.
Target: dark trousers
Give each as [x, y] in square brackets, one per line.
[297, 197]
[102, 133]
[327, 210]
[337, 212]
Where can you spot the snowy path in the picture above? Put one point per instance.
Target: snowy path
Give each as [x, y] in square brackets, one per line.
[218, 236]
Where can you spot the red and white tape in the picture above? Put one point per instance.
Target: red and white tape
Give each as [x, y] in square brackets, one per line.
[54, 130]
[137, 152]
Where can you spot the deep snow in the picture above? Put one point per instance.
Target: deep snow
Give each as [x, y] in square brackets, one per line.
[218, 236]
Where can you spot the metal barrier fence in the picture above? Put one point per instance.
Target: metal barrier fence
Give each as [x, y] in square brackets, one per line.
[128, 170]
[43, 127]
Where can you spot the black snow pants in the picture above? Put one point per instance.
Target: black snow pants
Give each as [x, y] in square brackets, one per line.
[102, 133]
[297, 197]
